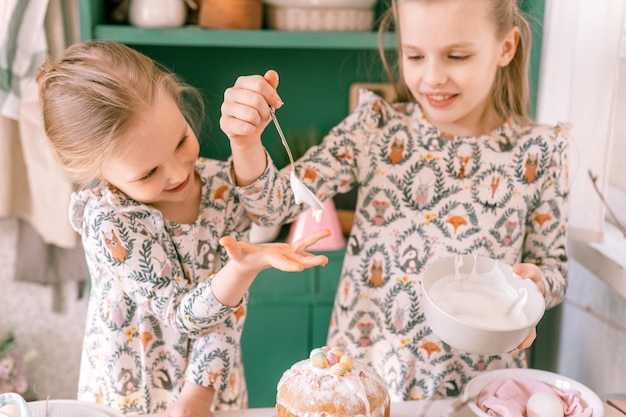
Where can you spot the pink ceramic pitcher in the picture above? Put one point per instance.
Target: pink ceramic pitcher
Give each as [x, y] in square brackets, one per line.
[305, 224]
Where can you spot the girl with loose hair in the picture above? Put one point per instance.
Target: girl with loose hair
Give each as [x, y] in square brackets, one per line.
[453, 166]
[511, 97]
[164, 235]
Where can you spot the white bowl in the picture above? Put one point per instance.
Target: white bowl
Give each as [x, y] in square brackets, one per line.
[496, 280]
[477, 384]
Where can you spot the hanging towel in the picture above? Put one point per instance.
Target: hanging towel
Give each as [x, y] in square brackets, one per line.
[23, 48]
[49, 265]
[32, 185]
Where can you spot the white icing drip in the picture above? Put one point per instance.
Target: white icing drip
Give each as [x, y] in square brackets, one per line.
[458, 263]
[474, 269]
[352, 379]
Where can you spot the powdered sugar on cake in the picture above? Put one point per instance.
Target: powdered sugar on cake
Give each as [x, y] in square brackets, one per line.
[331, 382]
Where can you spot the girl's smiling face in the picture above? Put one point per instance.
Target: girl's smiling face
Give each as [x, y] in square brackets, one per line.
[157, 165]
[449, 58]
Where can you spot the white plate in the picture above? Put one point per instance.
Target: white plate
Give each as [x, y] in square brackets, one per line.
[476, 385]
[71, 408]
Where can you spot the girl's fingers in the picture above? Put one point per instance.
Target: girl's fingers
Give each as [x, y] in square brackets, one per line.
[235, 127]
[307, 259]
[263, 86]
[251, 82]
[228, 241]
[316, 260]
[272, 77]
[246, 105]
[526, 343]
[240, 110]
[285, 264]
[235, 248]
[293, 263]
[531, 272]
[528, 271]
[303, 243]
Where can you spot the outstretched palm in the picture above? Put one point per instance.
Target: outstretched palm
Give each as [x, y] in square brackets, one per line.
[288, 257]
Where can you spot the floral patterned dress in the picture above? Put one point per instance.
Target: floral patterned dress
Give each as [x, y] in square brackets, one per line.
[153, 322]
[423, 196]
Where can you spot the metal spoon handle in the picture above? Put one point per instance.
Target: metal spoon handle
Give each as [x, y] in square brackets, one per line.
[282, 136]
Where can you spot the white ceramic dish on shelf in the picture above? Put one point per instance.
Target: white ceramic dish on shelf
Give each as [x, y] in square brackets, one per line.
[341, 4]
[320, 15]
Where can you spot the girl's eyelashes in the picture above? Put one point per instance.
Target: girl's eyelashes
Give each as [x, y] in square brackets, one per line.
[450, 57]
[148, 175]
[182, 142]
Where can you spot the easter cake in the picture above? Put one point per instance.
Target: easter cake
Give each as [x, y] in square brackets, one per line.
[331, 384]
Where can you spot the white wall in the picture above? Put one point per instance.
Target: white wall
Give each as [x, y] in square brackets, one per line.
[618, 154]
[593, 340]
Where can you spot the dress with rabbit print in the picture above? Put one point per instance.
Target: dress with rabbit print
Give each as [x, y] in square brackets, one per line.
[422, 196]
[153, 322]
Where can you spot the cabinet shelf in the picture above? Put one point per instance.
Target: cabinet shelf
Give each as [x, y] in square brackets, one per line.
[265, 38]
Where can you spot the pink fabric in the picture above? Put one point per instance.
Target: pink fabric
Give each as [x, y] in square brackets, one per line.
[507, 397]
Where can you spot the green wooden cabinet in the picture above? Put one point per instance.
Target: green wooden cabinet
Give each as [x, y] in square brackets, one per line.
[288, 315]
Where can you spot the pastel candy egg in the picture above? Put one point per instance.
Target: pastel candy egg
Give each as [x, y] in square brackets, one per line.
[339, 369]
[325, 349]
[347, 362]
[320, 362]
[317, 353]
[338, 351]
[332, 358]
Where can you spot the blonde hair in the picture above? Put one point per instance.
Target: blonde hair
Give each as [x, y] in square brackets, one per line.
[94, 93]
[510, 92]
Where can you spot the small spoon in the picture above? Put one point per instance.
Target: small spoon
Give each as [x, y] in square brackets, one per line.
[300, 192]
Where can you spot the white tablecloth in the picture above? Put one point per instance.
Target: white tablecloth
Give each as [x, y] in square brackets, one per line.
[403, 409]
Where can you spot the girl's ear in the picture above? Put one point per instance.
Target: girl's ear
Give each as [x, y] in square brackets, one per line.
[509, 46]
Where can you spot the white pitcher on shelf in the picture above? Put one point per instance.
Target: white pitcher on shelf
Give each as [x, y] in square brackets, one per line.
[159, 13]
